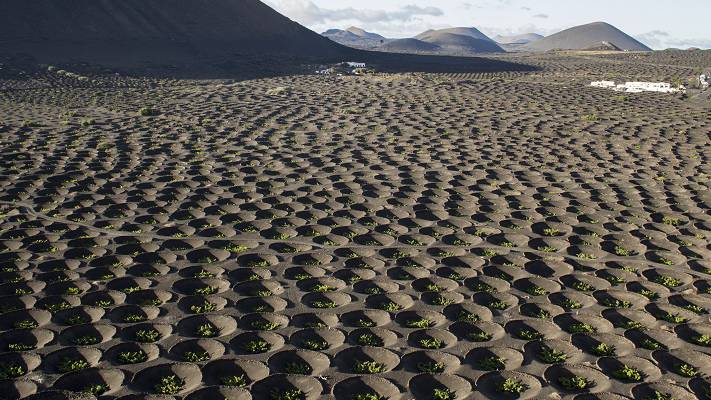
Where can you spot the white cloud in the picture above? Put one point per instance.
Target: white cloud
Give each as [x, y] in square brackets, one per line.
[527, 28]
[658, 39]
[308, 13]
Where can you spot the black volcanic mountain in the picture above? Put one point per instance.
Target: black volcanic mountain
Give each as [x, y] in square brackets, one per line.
[467, 40]
[463, 43]
[587, 37]
[128, 32]
[409, 45]
[463, 31]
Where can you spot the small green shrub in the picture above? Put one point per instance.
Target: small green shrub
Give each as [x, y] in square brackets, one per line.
[315, 345]
[53, 308]
[298, 368]
[493, 363]
[614, 303]
[440, 300]
[257, 346]
[10, 371]
[20, 347]
[289, 394]
[571, 304]
[134, 318]
[322, 288]
[96, 389]
[324, 304]
[575, 383]
[583, 287]
[702, 340]
[651, 344]
[552, 356]
[443, 394]
[368, 367]
[667, 281]
[431, 343]
[171, 384]
[467, 316]
[132, 357]
[513, 386]
[147, 112]
[419, 323]
[206, 307]
[26, 324]
[671, 318]
[69, 365]
[204, 291]
[196, 356]
[368, 339]
[660, 396]
[278, 91]
[265, 325]
[536, 291]
[367, 396]
[628, 374]
[604, 350]
[479, 336]
[581, 328]
[207, 330]
[686, 370]
[147, 335]
[431, 367]
[529, 334]
[234, 380]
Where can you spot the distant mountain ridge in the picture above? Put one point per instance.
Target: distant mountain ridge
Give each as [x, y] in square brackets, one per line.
[518, 39]
[596, 36]
[355, 37]
[460, 40]
[363, 33]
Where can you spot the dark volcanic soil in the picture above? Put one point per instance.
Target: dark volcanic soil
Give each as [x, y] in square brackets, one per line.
[394, 236]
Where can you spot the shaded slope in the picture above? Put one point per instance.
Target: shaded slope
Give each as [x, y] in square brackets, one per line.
[409, 46]
[127, 32]
[588, 36]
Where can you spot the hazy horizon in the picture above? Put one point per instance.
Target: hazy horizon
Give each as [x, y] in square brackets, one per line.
[649, 23]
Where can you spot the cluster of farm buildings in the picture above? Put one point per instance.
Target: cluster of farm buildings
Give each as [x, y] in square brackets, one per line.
[344, 68]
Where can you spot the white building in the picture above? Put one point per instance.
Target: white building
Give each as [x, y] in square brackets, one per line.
[355, 64]
[603, 84]
[704, 81]
[638, 87]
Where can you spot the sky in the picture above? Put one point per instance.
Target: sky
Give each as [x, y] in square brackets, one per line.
[659, 24]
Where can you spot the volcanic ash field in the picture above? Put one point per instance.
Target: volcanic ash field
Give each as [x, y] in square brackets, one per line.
[391, 236]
